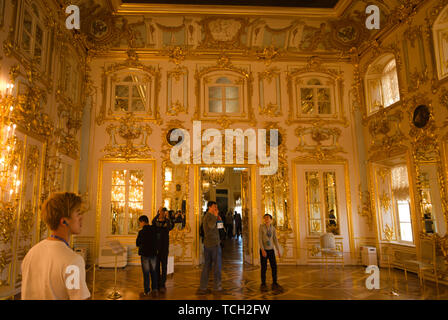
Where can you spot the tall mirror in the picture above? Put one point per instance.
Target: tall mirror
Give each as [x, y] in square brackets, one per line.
[175, 193]
[429, 178]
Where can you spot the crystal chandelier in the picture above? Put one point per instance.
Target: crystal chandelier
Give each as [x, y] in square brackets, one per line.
[214, 175]
[9, 159]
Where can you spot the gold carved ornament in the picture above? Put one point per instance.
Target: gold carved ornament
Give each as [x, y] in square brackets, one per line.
[7, 220]
[223, 33]
[130, 130]
[5, 260]
[385, 202]
[270, 109]
[365, 209]
[318, 134]
[386, 136]
[27, 220]
[388, 233]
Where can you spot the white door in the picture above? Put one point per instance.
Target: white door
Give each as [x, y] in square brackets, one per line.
[127, 192]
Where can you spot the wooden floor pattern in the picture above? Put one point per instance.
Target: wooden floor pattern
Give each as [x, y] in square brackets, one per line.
[242, 282]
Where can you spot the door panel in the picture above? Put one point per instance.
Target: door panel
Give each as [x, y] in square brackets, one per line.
[108, 228]
[321, 207]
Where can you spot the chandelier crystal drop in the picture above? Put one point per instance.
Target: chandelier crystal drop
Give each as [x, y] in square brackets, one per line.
[214, 175]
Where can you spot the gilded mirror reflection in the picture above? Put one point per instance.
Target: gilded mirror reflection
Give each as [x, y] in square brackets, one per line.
[322, 202]
[175, 193]
[275, 198]
[126, 201]
[428, 184]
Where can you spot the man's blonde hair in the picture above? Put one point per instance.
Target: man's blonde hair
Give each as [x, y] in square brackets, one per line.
[59, 205]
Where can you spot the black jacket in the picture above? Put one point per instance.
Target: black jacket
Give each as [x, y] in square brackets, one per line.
[162, 230]
[146, 241]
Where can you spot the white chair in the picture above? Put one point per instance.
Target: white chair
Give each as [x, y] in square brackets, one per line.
[329, 250]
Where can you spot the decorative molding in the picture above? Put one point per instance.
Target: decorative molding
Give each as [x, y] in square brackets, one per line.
[130, 130]
[319, 134]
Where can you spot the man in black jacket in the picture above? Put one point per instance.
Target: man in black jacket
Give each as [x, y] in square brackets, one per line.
[146, 243]
[163, 226]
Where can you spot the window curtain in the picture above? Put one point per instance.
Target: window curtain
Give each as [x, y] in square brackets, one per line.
[400, 183]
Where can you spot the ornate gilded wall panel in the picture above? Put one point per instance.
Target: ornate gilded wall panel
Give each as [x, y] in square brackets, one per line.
[269, 82]
[383, 204]
[319, 142]
[175, 196]
[386, 137]
[30, 200]
[177, 91]
[413, 48]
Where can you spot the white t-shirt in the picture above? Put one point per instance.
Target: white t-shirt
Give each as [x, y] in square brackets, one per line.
[45, 270]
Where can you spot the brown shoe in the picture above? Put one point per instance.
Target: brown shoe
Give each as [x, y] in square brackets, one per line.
[202, 291]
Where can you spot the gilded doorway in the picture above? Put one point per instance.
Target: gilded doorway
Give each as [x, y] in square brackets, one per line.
[232, 190]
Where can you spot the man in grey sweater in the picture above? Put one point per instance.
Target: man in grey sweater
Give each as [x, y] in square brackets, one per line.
[211, 222]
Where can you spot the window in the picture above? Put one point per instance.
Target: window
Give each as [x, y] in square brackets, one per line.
[131, 94]
[404, 220]
[32, 36]
[382, 83]
[389, 84]
[440, 36]
[315, 98]
[400, 189]
[321, 197]
[126, 201]
[223, 97]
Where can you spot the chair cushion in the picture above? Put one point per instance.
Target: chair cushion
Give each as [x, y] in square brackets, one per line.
[327, 241]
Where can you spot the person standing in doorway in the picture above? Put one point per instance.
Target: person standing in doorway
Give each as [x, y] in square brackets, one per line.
[212, 248]
[163, 226]
[238, 224]
[268, 240]
[49, 268]
[229, 224]
[147, 249]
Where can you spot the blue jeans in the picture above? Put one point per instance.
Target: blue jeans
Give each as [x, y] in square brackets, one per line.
[212, 256]
[149, 268]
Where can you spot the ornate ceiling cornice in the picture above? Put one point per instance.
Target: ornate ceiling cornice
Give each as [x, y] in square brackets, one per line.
[147, 8]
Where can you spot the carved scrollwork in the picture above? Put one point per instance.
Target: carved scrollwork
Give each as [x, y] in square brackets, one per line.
[322, 142]
[223, 33]
[29, 113]
[386, 135]
[128, 129]
[365, 209]
[7, 220]
[5, 260]
[27, 220]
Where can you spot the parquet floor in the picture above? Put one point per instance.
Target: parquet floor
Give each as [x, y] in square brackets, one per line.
[242, 282]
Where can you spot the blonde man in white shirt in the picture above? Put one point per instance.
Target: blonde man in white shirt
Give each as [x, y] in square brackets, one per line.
[51, 270]
[268, 240]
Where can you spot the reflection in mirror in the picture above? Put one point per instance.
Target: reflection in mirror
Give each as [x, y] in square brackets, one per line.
[175, 194]
[331, 210]
[430, 198]
[275, 195]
